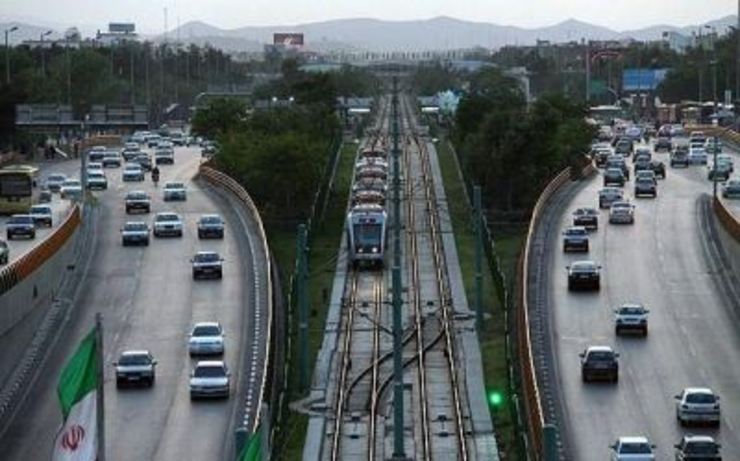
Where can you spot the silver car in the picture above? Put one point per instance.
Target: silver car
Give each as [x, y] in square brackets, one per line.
[622, 212]
[175, 191]
[631, 317]
[42, 215]
[731, 189]
[210, 225]
[167, 224]
[210, 378]
[609, 195]
[632, 449]
[207, 338]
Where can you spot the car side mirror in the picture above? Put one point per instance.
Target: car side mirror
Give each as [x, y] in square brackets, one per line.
[678, 445]
[653, 446]
[716, 397]
[613, 446]
[598, 267]
[154, 362]
[616, 354]
[115, 364]
[647, 311]
[677, 397]
[567, 267]
[222, 259]
[582, 354]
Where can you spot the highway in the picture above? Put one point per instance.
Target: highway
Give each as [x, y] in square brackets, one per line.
[661, 261]
[149, 300]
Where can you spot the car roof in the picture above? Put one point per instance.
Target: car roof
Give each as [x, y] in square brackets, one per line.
[135, 352]
[600, 349]
[211, 215]
[210, 363]
[631, 306]
[168, 213]
[206, 324]
[633, 439]
[698, 438]
[138, 223]
[583, 263]
[698, 390]
[576, 228]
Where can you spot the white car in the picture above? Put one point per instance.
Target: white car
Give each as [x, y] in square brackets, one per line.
[207, 338]
[71, 189]
[697, 156]
[133, 172]
[633, 449]
[94, 166]
[54, 181]
[96, 179]
[175, 191]
[697, 405]
[622, 212]
[42, 215]
[210, 379]
[167, 223]
[631, 317]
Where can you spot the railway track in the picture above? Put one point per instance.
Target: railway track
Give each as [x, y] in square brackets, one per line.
[361, 405]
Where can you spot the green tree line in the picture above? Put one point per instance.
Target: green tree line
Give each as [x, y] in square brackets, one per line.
[513, 150]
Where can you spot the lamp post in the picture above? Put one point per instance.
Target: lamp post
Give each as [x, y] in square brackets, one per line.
[43, 53]
[7, 54]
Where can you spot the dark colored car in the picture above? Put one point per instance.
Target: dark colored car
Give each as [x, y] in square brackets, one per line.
[135, 233]
[664, 143]
[586, 217]
[210, 226]
[642, 163]
[645, 186]
[698, 448]
[614, 176]
[575, 239]
[137, 201]
[679, 157]
[207, 264]
[658, 168]
[599, 362]
[584, 274]
[20, 225]
[135, 367]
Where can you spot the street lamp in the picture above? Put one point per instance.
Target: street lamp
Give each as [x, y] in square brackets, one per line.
[43, 58]
[7, 54]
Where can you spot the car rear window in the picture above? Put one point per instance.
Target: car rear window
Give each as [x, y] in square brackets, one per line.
[207, 257]
[700, 398]
[601, 356]
[138, 226]
[206, 330]
[635, 449]
[139, 359]
[209, 372]
[702, 448]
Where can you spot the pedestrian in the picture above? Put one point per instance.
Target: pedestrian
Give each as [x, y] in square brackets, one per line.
[76, 149]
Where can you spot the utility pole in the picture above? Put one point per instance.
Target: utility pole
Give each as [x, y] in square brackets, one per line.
[478, 217]
[399, 452]
[7, 54]
[302, 292]
[100, 395]
[131, 65]
[43, 53]
[69, 72]
[588, 71]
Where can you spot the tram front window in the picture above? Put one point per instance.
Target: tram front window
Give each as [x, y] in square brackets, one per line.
[367, 238]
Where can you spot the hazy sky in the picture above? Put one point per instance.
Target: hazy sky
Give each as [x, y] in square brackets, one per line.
[149, 16]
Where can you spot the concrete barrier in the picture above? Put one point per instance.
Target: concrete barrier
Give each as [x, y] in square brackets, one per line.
[227, 183]
[533, 410]
[27, 288]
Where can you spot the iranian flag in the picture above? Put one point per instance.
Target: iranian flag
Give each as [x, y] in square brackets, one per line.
[77, 390]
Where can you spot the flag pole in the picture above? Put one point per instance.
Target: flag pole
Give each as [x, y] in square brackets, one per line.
[100, 386]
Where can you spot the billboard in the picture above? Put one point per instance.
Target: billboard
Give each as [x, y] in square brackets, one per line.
[642, 79]
[287, 39]
[121, 27]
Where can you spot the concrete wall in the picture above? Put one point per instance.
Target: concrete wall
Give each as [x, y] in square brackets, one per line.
[24, 306]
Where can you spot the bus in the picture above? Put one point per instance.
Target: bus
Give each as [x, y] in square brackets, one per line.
[16, 188]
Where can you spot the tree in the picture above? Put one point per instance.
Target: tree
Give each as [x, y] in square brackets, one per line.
[220, 116]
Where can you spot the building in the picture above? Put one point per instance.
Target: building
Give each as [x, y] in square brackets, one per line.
[676, 42]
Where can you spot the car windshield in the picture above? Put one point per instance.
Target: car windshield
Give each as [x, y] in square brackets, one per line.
[207, 330]
[209, 372]
[207, 257]
[700, 397]
[134, 359]
[135, 226]
[600, 356]
[210, 220]
[174, 185]
[57, 177]
[133, 167]
[71, 183]
[40, 209]
[702, 448]
[167, 217]
[635, 449]
[575, 231]
[583, 267]
[631, 310]
[21, 220]
[136, 196]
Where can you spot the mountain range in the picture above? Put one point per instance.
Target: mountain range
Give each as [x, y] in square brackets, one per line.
[440, 33]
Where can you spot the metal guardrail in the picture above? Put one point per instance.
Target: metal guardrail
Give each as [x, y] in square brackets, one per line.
[17, 270]
[223, 180]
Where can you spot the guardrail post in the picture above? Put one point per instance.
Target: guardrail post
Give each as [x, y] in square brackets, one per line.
[549, 443]
[302, 293]
[478, 223]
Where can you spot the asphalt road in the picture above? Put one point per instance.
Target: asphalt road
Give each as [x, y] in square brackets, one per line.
[693, 341]
[149, 300]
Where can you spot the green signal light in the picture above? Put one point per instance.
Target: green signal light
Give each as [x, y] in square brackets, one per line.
[495, 398]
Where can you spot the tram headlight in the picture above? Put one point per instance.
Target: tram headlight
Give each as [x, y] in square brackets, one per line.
[374, 249]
